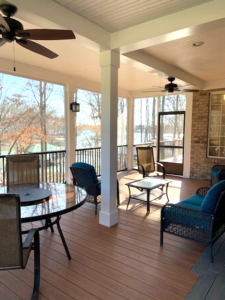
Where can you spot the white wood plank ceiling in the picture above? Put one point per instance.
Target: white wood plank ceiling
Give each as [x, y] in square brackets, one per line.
[205, 62]
[79, 61]
[114, 15]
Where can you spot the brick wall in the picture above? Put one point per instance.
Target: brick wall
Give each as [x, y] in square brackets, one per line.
[200, 164]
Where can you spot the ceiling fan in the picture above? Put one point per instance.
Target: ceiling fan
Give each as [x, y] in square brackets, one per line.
[12, 30]
[172, 87]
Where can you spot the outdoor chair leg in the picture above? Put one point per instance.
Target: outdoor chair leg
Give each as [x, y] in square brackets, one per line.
[36, 247]
[96, 205]
[161, 229]
[161, 237]
[118, 194]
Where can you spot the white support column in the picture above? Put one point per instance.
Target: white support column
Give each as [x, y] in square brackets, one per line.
[109, 62]
[70, 131]
[187, 136]
[130, 133]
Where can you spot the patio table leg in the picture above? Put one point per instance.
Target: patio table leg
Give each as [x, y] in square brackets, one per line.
[167, 185]
[63, 239]
[148, 202]
[129, 197]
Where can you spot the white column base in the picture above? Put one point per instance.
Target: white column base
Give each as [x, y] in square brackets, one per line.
[107, 219]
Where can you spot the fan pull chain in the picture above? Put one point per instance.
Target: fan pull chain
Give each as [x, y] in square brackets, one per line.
[14, 57]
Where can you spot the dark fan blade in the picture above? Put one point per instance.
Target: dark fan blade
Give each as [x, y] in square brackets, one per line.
[46, 34]
[152, 91]
[190, 91]
[2, 42]
[36, 48]
[4, 24]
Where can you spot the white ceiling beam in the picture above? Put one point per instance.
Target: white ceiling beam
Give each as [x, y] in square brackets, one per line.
[198, 19]
[49, 14]
[157, 64]
[215, 84]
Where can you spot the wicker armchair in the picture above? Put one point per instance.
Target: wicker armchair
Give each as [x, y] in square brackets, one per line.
[217, 173]
[22, 172]
[84, 176]
[146, 163]
[14, 253]
[191, 219]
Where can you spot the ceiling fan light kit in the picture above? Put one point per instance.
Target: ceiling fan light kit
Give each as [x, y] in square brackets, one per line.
[12, 30]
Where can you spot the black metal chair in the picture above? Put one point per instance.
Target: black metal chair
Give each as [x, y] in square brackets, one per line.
[14, 253]
[84, 176]
[22, 172]
[217, 173]
[146, 163]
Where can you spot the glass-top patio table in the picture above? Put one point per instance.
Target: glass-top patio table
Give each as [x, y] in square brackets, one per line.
[146, 185]
[49, 201]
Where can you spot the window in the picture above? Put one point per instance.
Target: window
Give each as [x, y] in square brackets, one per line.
[31, 116]
[145, 120]
[171, 103]
[88, 120]
[216, 138]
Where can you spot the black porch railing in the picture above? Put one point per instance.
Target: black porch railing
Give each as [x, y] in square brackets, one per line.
[51, 166]
[92, 156]
[52, 163]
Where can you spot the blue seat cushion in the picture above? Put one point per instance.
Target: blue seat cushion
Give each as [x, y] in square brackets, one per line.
[189, 205]
[87, 166]
[210, 200]
[193, 200]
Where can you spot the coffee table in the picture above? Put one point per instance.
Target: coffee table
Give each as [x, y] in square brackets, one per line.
[146, 185]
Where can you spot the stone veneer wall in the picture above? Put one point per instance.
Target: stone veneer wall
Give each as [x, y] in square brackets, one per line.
[200, 164]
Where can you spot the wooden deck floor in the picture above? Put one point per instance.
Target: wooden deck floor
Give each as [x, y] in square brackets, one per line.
[122, 262]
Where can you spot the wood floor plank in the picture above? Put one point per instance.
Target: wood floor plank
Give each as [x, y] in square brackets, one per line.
[135, 255]
[64, 289]
[18, 287]
[162, 275]
[114, 265]
[7, 294]
[129, 243]
[172, 252]
[96, 281]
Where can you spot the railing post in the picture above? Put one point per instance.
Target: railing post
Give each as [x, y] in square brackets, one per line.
[130, 133]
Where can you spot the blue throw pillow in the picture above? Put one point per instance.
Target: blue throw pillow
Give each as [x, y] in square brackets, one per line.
[87, 166]
[210, 201]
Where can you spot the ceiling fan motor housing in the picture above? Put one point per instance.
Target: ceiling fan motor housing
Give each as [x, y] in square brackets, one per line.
[170, 87]
[14, 25]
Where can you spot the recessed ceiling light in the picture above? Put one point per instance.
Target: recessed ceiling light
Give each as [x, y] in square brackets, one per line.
[197, 44]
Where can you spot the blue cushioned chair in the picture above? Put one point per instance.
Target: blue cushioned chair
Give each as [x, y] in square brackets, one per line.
[200, 218]
[84, 176]
[217, 173]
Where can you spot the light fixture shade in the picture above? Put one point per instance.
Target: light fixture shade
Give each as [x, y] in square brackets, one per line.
[75, 107]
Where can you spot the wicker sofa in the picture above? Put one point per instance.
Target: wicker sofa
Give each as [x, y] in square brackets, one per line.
[199, 218]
